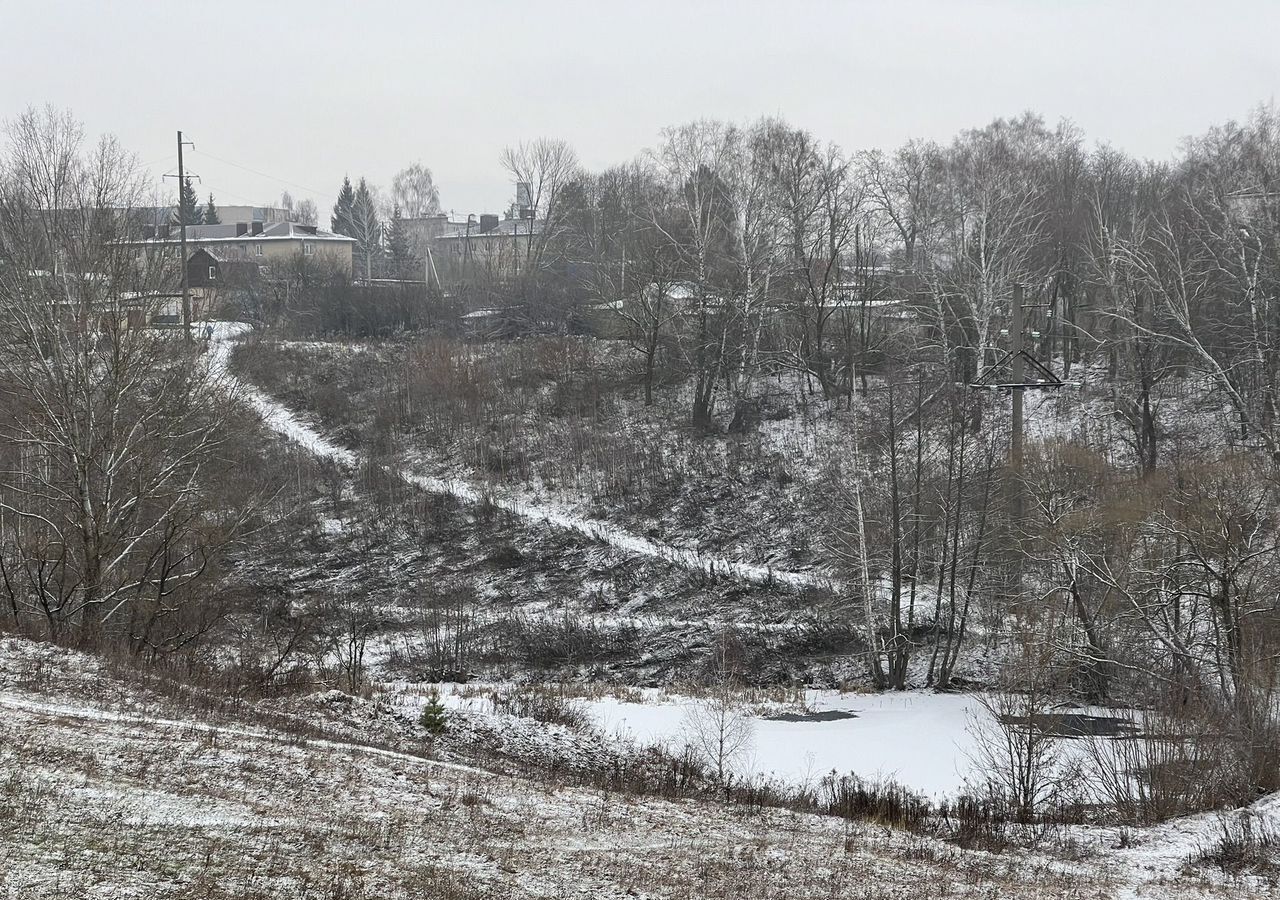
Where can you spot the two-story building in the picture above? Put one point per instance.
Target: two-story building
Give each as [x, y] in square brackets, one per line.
[256, 241]
[485, 245]
[224, 258]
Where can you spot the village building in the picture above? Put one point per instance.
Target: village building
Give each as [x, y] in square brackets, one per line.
[263, 243]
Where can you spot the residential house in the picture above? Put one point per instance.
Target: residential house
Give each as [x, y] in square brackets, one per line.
[484, 246]
[1253, 204]
[257, 241]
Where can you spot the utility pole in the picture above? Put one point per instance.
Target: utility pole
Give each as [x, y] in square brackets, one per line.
[1009, 373]
[1017, 376]
[182, 233]
[430, 269]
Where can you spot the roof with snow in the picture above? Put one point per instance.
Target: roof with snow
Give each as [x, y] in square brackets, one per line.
[504, 228]
[286, 231]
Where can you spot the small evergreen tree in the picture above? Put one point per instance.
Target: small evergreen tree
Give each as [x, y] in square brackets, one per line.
[343, 221]
[366, 227]
[402, 259]
[434, 718]
[190, 211]
[211, 216]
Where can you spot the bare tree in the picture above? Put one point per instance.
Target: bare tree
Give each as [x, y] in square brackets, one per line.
[719, 731]
[300, 211]
[697, 161]
[993, 227]
[542, 169]
[628, 261]
[907, 188]
[817, 194]
[307, 213]
[353, 624]
[414, 191]
[1016, 737]
[111, 430]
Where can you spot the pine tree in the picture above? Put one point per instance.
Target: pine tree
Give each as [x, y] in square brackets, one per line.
[402, 260]
[190, 211]
[342, 221]
[211, 216]
[366, 228]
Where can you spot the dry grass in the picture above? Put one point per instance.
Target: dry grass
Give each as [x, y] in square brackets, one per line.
[128, 807]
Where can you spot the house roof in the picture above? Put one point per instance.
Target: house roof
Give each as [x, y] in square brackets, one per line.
[286, 231]
[224, 259]
[211, 252]
[504, 228]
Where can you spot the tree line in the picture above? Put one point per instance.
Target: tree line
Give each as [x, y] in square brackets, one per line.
[1142, 561]
[731, 255]
[731, 250]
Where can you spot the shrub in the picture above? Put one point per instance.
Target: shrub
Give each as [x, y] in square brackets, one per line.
[1244, 847]
[548, 707]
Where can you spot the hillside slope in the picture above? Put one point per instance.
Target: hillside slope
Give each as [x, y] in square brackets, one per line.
[113, 791]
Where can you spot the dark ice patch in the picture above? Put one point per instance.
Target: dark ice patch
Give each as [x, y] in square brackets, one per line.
[826, 715]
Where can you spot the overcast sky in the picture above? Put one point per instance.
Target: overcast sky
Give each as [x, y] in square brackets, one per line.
[303, 92]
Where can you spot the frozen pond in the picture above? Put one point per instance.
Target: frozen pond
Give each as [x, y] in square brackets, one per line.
[923, 740]
[920, 739]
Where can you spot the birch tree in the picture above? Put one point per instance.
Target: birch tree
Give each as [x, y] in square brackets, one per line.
[110, 432]
[696, 163]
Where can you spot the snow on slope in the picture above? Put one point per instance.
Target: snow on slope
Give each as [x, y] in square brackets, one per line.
[101, 803]
[280, 419]
[98, 804]
[70, 711]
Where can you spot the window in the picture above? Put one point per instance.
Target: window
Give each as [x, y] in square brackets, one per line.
[257, 249]
[213, 273]
[307, 248]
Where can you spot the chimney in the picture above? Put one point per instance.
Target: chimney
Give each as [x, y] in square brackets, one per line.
[257, 228]
[488, 222]
[242, 228]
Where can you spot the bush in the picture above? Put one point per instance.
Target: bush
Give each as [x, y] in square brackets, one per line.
[544, 706]
[1244, 847]
[566, 640]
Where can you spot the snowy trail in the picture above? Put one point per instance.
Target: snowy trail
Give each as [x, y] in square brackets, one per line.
[280, 419]
[91, 714]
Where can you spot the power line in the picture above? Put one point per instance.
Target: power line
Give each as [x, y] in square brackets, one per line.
[228, 162]
[219, 192]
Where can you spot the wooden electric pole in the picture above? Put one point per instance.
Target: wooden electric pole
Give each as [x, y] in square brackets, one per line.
[1017, 375]
[182, 237]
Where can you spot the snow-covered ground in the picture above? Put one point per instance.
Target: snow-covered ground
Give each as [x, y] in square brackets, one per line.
[113, 793]
[283, 421]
